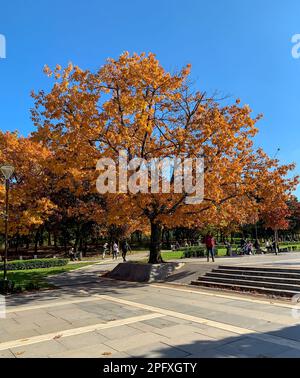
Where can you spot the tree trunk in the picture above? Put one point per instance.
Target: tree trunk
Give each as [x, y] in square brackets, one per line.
[36, 240]
[41, 237]
[49, 239]
[55, 239]
[85, 248]
[276, 241]
[77, 239]
[168, 239]
[17, 244]
[65, 242]
[81, 243]
[155, 244]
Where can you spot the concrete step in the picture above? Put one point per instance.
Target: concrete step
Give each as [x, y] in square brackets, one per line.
[246, 277]
[246, 288]
[263, 284]
[254, 272]
[259, 269]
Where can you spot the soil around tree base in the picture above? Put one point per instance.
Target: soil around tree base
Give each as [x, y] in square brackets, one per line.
[135, 272]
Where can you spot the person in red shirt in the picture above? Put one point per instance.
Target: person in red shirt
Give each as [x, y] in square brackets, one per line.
[210, 243]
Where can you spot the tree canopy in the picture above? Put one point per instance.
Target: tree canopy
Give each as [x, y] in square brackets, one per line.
[133, 104]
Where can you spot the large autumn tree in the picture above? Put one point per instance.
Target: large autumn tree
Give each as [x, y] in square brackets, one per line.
[134, 104]
[29, 202]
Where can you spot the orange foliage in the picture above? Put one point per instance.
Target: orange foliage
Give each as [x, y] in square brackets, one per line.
[133, 104]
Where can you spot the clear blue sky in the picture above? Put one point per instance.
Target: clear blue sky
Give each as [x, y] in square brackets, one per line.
[241, 48]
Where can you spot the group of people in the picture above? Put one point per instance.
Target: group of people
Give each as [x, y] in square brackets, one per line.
[177, 246]
[250, 248]
[125, 247]
[247, 247]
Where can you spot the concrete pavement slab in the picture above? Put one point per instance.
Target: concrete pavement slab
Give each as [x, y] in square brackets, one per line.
[212, 332]
[40, 350]
[119, 332]
[82, 341]
[292, 333]
[193, 343]
[290, 353]
[248, 347]
[160, 323]
[131, 342]
[177, 331]
[157, 350]
[142, 326]
[93, 351]
[6, 354]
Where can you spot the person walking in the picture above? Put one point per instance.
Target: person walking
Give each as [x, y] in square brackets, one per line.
[275, 247]
[228, 248]
[210, 243]
[105, 250]
[115, 251]
[72, 254]
[125, 247]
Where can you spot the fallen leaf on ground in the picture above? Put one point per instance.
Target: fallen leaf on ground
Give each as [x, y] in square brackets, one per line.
[57, 337]
[20, 353]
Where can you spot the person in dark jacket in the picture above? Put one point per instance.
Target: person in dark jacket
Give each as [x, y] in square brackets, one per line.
[275, 247]
[257, 246]
[125, 248]
[210, 243]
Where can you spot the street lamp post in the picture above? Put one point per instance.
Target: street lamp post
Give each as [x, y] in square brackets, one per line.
[7, 171]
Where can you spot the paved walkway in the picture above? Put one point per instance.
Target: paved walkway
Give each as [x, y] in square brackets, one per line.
[90, 316]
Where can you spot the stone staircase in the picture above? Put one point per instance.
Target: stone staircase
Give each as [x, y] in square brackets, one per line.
[262, 280]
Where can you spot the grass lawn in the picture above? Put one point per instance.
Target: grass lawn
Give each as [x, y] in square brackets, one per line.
[169, 255]
[222, 252]
[37, 277]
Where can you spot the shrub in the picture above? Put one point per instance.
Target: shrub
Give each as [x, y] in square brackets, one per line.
[32, 286]
[6, 287]
[193, 252]
[34, 264]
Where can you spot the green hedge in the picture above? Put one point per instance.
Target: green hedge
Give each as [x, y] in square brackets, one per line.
[199, 251]
[34, 264]
[194, 252]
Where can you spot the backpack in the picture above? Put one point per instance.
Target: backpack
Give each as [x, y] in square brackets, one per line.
[209, 241]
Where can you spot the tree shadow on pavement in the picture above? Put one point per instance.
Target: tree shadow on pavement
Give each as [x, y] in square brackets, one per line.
[283, 343]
